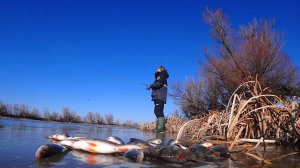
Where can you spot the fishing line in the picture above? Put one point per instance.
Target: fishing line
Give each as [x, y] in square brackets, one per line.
[123, 78]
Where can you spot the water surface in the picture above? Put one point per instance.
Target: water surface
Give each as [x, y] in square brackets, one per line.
[19, 140]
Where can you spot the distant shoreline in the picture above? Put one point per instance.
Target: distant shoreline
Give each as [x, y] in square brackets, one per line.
[81, 123]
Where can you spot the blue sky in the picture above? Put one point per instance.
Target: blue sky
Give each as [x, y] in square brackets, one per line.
[78, 53]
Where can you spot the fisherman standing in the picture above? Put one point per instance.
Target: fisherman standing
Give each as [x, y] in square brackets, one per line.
[159, 97]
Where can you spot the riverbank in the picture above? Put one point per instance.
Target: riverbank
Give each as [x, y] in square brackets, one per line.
[81, 123]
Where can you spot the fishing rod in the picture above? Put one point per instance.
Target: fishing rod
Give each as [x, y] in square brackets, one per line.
[130, 81]
[119, 77]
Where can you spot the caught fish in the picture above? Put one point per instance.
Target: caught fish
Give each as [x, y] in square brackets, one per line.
[198, 148]
[171, 153]
[173, 142]
[116, 140]
[134, 155]
[218, 151]
[68, 142]
[206, 144]
[49, 150]
[152, 142]
[102, 146]
[155, 141]
[135, 140]
[181, 146]
[75, 138]
[143, 145]
[59, 137]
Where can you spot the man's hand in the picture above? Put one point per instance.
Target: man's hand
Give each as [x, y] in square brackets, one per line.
[148, 87]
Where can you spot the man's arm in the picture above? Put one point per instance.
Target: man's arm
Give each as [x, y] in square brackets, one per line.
[156, 85]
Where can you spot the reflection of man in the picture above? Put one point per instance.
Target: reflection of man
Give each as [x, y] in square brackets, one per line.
[159, 96]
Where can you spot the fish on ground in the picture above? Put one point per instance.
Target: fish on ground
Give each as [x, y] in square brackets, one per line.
[155, 141]
[218, 151]
[116, 140]
[49, 150]
[200, 148]
[152, 142]
[135, 155]
[59, 137]
[101, 146]
[170, 153]
[75, 138]
[68, 142]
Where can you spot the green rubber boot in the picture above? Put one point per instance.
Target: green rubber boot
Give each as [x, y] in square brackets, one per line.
[155, 129]
[161, 125]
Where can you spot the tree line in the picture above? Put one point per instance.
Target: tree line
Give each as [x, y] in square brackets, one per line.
[66, 115]
[255, 51]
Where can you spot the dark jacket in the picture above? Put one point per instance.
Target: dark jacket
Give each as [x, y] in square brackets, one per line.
[160, 86]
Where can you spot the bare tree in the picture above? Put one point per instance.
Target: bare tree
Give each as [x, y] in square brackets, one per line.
[130, 123]
[99, 119]
[54, 116]
[3, 109]
[90, 118]
[66, 115]
[35, 114]
[253, 52]
[46, 114]
[69, 116]
[109, 118]
[256, 53]
[190, 97]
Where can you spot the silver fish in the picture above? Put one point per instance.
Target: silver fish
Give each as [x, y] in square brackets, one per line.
[134, 155]
[171, 153]
[155, 141]
[101, 146]
[59, 137]
[75, 138]
[68, 142]
[49, 150]
[116, 140]
[173, 142]
[206, 144]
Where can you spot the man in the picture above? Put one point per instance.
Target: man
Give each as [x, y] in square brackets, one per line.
[159, 96]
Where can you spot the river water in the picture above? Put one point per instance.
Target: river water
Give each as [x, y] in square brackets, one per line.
[19, 140]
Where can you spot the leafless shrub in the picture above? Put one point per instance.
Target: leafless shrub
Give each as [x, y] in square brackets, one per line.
[109, 118]
[54, 116]
[130, 123]
[69, 116]
[190, 97]
[253, 52]
[3, 109]
[90, 118]
[99, 119]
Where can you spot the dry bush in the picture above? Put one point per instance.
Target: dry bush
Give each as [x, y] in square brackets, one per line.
[255, 51]
[263, 115]
[109, 119]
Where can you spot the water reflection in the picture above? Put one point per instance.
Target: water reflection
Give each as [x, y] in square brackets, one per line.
[51, 161]
[97, 159]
